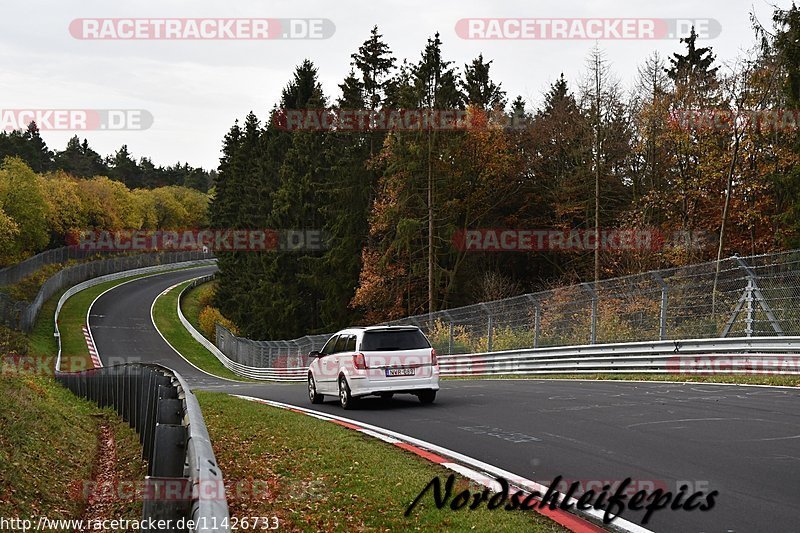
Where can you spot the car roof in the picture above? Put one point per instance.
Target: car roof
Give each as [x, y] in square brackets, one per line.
[364, 329]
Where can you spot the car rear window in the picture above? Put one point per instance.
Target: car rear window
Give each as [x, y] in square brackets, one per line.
[389, 340]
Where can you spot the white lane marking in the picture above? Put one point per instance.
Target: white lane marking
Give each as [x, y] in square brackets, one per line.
[469, 473]
[770, 439]
[694, 420]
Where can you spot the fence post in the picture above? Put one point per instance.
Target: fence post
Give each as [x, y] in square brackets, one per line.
[593, 330]
[537, 319]
[450, 340]
[662, 314]
[489, 327]
[748, 329]
[489, 335]
[753, 292]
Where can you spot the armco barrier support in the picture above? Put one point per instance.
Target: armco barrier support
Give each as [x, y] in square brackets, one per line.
[175, 439]
[158, 404]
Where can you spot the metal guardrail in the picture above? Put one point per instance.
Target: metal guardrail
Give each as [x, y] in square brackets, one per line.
[296, 373]
[184, 480]
[744, 355]
[753, 355]
[752, 296]
[720, 354]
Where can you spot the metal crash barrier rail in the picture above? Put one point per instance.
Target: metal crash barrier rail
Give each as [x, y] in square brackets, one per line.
[184, 484]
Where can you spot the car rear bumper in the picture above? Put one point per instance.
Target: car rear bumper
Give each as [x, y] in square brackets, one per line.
[363, 386]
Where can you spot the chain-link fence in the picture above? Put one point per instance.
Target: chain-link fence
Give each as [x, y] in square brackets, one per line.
[268, 354]
[22, 315]
[737, 297]
[16, 273]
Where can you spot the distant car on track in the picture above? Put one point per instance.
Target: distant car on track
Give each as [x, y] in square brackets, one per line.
[376, 360]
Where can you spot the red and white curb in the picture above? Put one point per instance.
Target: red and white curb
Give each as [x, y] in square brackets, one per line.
[466, 466]
[92, 348]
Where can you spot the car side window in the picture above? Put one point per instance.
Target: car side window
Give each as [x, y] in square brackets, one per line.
[328, 348]
[341, 343]
[351, 344]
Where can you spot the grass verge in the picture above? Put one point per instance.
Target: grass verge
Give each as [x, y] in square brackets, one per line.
[49, 440]
[168, 323]
[318, 476]
[48, 449]
[739, 379]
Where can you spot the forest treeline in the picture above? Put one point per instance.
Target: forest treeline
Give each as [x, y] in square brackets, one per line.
[43, 210]
[78, 159]
[392, 201]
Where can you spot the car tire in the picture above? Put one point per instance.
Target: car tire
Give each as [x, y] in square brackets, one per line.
[346, 399]
[313, 396]
[427, 396]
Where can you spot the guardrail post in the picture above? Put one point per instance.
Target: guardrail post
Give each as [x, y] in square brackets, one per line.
[168, 451]
[130, 396]
[168, 491]
[162, 389]
[166, 498]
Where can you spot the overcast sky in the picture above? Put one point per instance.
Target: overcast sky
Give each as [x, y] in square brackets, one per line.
[195, 89]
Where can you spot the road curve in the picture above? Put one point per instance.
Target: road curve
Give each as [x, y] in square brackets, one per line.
[741, 441]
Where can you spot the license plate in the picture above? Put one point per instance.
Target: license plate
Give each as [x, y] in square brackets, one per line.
[394, 372]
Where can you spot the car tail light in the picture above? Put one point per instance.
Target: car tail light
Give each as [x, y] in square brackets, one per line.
[359, 362]
[434, 361]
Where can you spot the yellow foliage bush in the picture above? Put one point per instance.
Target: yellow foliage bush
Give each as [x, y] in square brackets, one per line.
[209, 317]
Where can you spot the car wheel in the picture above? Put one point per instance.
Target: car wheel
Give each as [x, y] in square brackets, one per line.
[386, 396]
[312, 391]
[427, 396]
[345, 398]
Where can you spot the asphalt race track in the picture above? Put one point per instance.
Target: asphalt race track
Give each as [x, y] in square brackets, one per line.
[741, 441]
